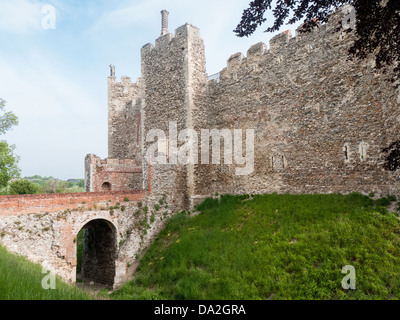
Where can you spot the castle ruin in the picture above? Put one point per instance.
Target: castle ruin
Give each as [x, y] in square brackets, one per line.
[320, 120]
[320, 123]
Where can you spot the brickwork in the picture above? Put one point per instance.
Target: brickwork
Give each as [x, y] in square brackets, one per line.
[320, 124]
[44, 228]
[42, 203]
[112, 174]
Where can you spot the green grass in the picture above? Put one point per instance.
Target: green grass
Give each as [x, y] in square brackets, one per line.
[273, 247]
[22, 280]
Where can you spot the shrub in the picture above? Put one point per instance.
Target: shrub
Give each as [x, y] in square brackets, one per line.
[126, 199]
[23, 187]
[382, 202]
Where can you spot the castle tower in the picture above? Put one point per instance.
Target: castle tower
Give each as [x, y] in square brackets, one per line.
[124, 107]
[174, 83]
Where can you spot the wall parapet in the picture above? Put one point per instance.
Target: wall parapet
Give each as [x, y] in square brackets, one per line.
[43, 203]
[181, 33]
[284, 45]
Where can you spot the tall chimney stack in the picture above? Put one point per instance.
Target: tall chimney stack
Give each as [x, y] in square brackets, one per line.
[164, 16]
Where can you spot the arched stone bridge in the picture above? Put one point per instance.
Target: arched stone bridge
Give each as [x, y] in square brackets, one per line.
[45, 229]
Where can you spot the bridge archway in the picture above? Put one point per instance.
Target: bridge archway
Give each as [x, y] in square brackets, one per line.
[97, 252]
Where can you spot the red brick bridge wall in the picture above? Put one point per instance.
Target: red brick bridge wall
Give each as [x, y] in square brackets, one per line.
[41, 203]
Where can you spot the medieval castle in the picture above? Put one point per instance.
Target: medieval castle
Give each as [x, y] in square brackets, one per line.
[301, 116]
[320, 121]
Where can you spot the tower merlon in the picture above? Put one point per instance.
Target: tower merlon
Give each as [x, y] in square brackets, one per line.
[235, 60]
[256, 50]
[280, 40]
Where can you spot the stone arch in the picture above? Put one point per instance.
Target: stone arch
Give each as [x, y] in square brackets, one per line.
[106, 186]
[99, 254]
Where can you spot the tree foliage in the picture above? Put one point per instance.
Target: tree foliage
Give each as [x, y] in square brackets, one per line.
[8, 160]
[377, 24]
[8, 164]
[8, 119]
[23, 187]
[52, 185]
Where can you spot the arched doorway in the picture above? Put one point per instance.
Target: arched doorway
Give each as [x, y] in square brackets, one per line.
[96, 252]
[106, 186]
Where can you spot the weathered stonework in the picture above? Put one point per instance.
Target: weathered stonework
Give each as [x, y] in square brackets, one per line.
[112, 174]
[117, 230]
[320, 120]
[320, 124]
[124, 117]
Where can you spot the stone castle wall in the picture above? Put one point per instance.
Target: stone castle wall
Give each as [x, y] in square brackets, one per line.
[320, 124]
[320, 120]
[124, 118]
[170, 72]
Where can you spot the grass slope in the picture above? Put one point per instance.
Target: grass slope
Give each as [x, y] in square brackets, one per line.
[22, 280]
[273, 247]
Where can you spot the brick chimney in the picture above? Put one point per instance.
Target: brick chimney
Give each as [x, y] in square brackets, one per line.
[164, 17]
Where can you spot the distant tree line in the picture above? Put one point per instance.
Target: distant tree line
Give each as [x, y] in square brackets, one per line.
[43, 185]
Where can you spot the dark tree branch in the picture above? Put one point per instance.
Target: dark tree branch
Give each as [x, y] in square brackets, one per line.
[377, 25]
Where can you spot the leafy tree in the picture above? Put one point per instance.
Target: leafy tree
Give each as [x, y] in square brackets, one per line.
[51, 186]
[23, 187]
[8, 164]
[8, 119]
[8, 160]
[377, 24]
[81, 183]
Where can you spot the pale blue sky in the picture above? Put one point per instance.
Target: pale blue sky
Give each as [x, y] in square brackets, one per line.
[55, 81]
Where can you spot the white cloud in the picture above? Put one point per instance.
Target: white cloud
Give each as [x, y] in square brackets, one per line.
[20, 16]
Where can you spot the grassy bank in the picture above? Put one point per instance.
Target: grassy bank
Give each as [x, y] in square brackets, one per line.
[274, 247]
[22, 280]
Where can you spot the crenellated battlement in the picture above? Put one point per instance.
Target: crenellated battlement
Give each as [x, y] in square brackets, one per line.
[124, 87]
[95, 160]
[312, 109]
[284, 46]
[180, 36]
[311, 121]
